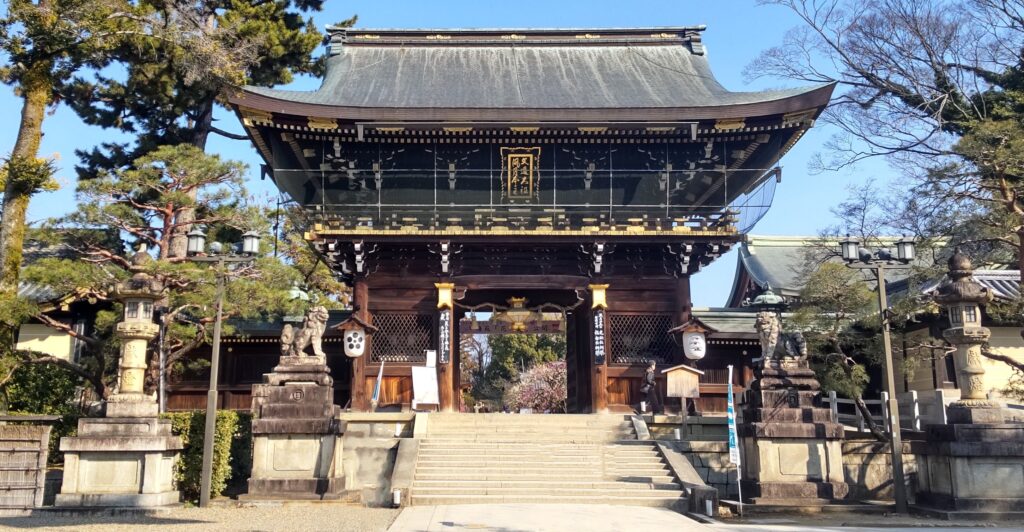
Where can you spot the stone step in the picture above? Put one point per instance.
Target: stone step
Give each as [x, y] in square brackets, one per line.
[640, 469]
[560, 463]
[634, 460]
[516, 447]
[518, 426]
[513, 453]
[545, 492]
[544, 484]
[554, 469]
[513, 438]
[526, 475]
[630, 457]
[453, 478]
[540, 418]
[611, 498]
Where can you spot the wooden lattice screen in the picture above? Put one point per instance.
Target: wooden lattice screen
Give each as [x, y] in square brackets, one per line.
[637, 338]
[402, 337]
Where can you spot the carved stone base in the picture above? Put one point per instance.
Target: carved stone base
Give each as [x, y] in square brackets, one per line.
[297, 444]
[792, 446]
[975, 411]
[131, 405]
[120, 462]
[971, 470]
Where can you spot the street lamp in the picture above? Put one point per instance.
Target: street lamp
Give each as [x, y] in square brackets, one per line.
[196, 246]
[862, 258]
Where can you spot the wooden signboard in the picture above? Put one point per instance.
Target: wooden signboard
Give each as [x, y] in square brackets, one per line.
[444, 337]
[683, 381]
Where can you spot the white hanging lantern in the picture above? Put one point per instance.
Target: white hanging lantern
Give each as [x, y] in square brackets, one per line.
[695, 345]
[355, 342]
[354, 332]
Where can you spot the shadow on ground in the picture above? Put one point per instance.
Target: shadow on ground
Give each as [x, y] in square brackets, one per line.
[51, 522]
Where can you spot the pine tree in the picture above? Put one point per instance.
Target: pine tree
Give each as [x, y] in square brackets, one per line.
[162, 107]
[143, 202]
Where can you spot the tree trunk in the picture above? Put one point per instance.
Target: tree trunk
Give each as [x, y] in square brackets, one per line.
[1020, 253]
[862, 407]
[201, 132]
[36, 92]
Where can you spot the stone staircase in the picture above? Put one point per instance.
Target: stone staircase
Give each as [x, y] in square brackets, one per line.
[512, 458]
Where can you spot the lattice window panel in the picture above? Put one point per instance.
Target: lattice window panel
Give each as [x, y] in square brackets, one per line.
[637, 338]
[402, 337]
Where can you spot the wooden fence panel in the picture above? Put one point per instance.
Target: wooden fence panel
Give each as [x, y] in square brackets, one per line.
[23, 453]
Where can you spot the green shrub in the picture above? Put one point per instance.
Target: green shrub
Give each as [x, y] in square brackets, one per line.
[45, 389]
[241, 454]
[190, 426]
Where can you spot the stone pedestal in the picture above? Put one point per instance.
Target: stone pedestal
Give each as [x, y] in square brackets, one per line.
[971, 470]
[792, 446]
[126, 458]
[297, 445]
[120, 461]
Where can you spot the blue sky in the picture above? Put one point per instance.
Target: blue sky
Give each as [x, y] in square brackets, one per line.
[737, 31]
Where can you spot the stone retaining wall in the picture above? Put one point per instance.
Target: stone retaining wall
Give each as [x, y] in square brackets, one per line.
[370, 448]
[692, 428]
[867, 466]
[711, 461]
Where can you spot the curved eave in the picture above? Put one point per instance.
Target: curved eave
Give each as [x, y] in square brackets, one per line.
[812, 100]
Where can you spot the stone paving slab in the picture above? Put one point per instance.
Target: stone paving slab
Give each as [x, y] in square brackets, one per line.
[542, 518]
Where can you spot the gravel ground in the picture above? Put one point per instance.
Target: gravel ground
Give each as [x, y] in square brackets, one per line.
[296, 516]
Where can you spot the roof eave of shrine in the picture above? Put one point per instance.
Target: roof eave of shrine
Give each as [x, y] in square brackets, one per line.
[266, 105]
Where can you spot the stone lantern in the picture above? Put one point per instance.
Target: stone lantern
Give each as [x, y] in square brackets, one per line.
[127, 457]
[962, 297]
[139, 295]
[970, 465]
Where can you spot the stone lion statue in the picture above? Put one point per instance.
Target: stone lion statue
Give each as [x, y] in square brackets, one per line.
[294, 343]
[768, 328]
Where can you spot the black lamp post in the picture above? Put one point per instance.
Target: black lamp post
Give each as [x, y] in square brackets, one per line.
[877, 261]
[195, 247]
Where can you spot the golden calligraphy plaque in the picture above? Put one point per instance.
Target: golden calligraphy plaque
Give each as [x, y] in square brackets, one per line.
[520, 171]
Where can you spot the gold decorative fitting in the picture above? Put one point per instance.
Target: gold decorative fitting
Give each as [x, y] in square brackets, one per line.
[797, 117]
[587, 129]
[321, 123]
[588, 36]
[519, 171]
[600, 297]
[457, 129]
[390, 129]
[660, 129]
[525, 129]
[730, 123]
[513, 37]
[662, 35]
[367, 36]
[438, 37]
[444, 295]
[252, 116]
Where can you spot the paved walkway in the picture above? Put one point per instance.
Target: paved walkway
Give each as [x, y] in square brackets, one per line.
[542, 518]
[601, 518]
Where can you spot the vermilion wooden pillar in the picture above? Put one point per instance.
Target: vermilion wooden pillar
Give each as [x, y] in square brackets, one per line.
[445, 340]
[361, 301]
[599, 347]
